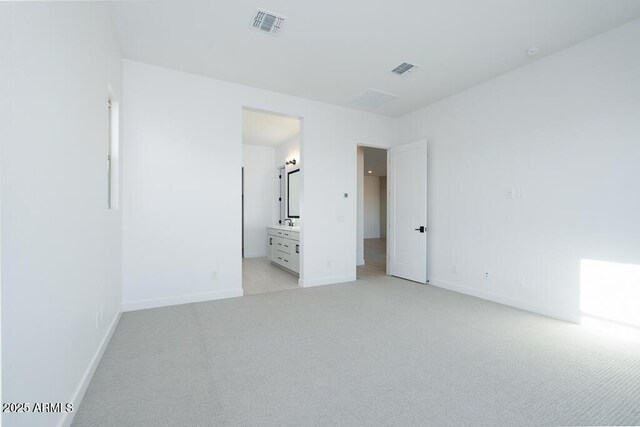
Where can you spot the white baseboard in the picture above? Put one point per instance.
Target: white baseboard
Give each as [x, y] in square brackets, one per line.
[76, 399]
[501, 299]
[255, 254]
[181, 299]
[327, 281]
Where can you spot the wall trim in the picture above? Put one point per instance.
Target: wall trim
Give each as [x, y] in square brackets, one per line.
[327, 281]
[504, 300]
[180, 299]
[78, 395]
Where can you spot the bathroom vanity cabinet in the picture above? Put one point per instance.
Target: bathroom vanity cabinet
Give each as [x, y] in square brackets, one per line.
[284, 247]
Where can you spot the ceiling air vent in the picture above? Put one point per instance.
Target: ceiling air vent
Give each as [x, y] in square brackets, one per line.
[268, 22]
[372, 99]
[404, 68]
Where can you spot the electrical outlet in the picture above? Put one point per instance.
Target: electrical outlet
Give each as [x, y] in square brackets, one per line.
[486, 275]
[214, 275]
[454, 269]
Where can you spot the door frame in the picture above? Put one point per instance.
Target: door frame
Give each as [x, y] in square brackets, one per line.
[357, 198]
[275, 112]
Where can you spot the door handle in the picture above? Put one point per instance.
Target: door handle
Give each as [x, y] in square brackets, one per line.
[422, 229]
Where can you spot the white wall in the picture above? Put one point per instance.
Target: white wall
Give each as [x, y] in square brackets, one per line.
[259, 196]
[61, 247]
[360, 207]
[288, 150]
[563, 136]
[371, 207]
[183, 154]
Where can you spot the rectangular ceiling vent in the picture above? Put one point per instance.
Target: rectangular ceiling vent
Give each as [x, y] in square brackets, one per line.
[372, 99]
[268, 22]
[404, 68]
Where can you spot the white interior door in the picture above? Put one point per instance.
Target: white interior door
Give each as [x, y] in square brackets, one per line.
[407, 211]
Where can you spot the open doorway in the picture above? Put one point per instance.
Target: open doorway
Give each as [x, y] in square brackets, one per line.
[372, 213]
[271, 172]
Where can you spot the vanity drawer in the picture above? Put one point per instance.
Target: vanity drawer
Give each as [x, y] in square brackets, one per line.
[289, 261]
[286, 245]
[274, 242]
[284, 260]
[283, 245]
[275, 232]
[289, 234]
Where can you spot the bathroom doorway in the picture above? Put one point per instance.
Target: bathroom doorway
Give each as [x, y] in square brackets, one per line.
[372, 227]
[271, 257]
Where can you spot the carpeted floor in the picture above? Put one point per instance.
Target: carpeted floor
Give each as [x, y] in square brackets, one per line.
[374, 352]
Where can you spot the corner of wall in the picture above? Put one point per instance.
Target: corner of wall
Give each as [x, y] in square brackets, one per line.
[83, 385]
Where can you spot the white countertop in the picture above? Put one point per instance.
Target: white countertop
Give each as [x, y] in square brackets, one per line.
[285, 227]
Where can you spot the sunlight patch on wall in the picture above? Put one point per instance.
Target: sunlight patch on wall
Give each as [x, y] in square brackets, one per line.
[610, 291]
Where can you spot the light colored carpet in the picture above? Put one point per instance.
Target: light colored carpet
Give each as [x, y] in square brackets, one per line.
[373, 352]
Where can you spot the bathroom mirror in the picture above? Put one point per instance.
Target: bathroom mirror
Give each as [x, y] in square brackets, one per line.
[293, 194]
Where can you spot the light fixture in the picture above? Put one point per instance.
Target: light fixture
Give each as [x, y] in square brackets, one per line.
[290, 162]
[369, 171]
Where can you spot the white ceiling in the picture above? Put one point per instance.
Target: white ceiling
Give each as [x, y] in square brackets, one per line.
[375, 160]
[259, 128]
[333, 50]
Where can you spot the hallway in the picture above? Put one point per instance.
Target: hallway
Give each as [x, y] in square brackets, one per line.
[375, 259]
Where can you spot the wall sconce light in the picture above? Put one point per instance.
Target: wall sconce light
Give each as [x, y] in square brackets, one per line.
[290, 162]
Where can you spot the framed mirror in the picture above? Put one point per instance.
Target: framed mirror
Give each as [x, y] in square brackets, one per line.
[293, 194]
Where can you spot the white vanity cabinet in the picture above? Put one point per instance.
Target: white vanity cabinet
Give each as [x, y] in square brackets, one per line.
[284, 247]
